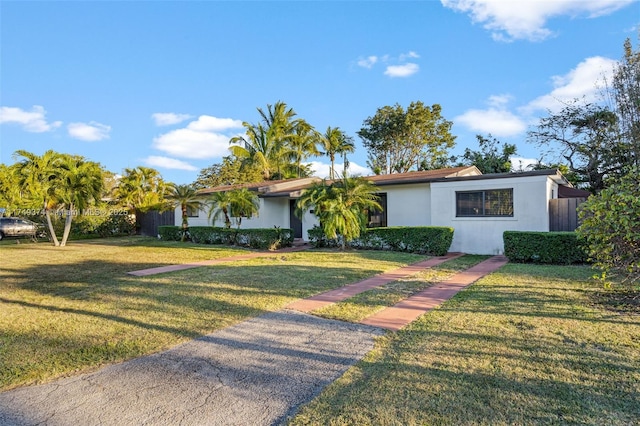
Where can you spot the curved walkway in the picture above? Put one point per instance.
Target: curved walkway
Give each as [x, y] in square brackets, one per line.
[257, 372]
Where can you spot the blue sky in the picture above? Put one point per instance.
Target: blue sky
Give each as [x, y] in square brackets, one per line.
[166, 84]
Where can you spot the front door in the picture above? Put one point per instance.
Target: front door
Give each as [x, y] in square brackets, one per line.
[294, 221]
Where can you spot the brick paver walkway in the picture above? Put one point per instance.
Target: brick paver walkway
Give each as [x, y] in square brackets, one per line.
[408, 310]
[171, 268]
[320, 300]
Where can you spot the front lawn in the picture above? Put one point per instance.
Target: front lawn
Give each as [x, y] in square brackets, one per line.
[526, 345]
[71, 309]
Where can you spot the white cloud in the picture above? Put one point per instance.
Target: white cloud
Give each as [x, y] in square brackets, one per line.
[93, 131]
[322, 170]
[582, 82]
[206, 137]
[367, 62]
[31, 121]
[519, 164]
[526, 19]
[168, 163]
[405, 70]
[169, 118]
[207, 123]
[404, 56]
[496, 119]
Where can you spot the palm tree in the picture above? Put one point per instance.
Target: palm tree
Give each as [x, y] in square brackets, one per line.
[302, 145]
[340, 207]
[81, 182]
[37, 177]
[237, 203]
[335, 141]
[219, 205]
[186, 197]
[257, 148]
[276, 141]
[244, 203]
[141, 189]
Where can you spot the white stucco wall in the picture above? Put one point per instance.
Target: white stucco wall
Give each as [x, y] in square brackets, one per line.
[483, 235]
[408, 205]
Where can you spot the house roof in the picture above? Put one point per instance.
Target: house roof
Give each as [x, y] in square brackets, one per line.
[567, 192]
[292, 188]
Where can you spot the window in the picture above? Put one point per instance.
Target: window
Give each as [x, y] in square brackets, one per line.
[494, 202]
[191, 212]
[378, 219]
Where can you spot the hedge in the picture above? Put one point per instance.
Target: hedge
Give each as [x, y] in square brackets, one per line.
[433, 240]
[262, 238]
[558, 248]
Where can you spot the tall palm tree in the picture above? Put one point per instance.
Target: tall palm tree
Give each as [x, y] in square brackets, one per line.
[187, 198]
[37, 177]
[257, 148]
[335, 141]
[340, 207]
[303, 144]
[81, 182]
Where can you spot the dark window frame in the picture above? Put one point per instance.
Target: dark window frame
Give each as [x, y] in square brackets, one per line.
[485, 203]
[375, 218]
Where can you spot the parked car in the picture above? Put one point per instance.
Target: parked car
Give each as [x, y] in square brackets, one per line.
[17, 227]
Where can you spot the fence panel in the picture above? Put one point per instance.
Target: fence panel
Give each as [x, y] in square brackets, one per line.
[563, 214]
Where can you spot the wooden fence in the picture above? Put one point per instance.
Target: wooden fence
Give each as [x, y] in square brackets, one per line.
[563, 214]
[147, 223]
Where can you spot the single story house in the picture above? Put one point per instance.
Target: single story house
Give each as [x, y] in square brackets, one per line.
[479, 207]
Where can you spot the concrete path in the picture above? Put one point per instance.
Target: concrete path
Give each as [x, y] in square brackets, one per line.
[183, 266]
[337, 295]
[257, 372]
[408, 310]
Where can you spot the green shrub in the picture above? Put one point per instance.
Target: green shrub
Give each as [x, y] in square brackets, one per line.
[170, 233]
[559, 248]
[262, 238]
[611, 228]
[433, 240]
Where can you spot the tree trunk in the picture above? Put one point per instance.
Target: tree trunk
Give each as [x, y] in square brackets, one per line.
[67, 226]
[52, 232]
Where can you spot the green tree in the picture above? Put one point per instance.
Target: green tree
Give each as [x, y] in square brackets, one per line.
[625, 93]
[586, 137]
[397, 140]
[186, 197]
[302, 145]
[611, 227]
[10, 194]
[81, 183]
[277, 144]
[231, 171]
[38, 180]
[141, 189]
[492, 157]
[335, 141]
[340, 207]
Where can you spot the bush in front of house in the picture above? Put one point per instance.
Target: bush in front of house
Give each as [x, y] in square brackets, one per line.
[433, 240]
[259, 238]
[558, 248]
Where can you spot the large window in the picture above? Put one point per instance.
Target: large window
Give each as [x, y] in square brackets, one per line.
[493, 203]
[378, 219]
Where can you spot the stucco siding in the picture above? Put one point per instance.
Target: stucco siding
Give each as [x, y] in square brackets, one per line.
[483, 235]
[408, 205]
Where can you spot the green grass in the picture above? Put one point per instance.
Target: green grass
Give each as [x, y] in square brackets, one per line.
[525, 346]
[362, 305]
[72, 309]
